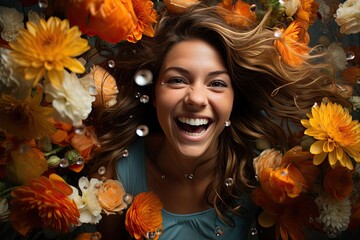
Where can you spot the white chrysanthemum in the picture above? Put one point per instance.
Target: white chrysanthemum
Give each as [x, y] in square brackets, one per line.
[87, 203]
[72, 102]
[336, 56]
[33, 17]
[291, 6]
[348, 16]
[11, 21]
[10, 83]
[334, 215]
[355, 100]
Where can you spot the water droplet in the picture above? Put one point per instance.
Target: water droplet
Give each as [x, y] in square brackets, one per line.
[311, 220]
[229, 182]
[125, 153]
[137, 95]
[43, 3]
[144, 99]
[64, 163]
[102, 170]
[219, 231]
[111, 63]
[358, 81]
[159, 231]
[142, 130]
[350, 55]
[131, 116]
[143, 77]
[253, 231]
[128, 198]
[151, 235]
[253, 8]
[92, 90]
[191, 176]
[95, 236]
[278, 33]
[80, 161]
[80, 130]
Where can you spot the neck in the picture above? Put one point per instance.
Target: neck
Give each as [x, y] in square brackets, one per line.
[175, 166]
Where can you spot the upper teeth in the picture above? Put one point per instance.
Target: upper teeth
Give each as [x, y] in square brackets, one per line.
[194, 121]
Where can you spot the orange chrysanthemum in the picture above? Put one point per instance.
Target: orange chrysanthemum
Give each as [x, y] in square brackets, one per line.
[307, 11]
[111, 20]
[144, 216]
[239, 14]
[337, 135]
[338, 183]
[147, 16]
[26, 119]
[293, 43]
[48, 48]
[44, 203]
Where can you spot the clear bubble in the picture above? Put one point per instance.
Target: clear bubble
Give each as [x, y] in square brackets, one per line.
[253, 231]
[64, 163]
[80, 130]
[229, 182]
[43, 3]
[143, 77]
[102, 170]
[137, 95]
[151, 235]
[128, 198]
[142, 130]
[80, 161]
[95, 236]
[219, 231]
[191, 176]
[125, 153]
[92, 90]
[144, 99]
[350, 55]
[111, 63]
[253, 8]
[358, 81]
[159, 231]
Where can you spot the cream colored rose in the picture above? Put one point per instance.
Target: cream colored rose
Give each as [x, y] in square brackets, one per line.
[111, 195]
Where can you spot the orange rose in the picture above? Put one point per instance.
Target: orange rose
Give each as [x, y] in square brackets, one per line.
[26, 163]
[85, 143]
[179, 6]
[111, 195]
[144, 216]
[111, 20]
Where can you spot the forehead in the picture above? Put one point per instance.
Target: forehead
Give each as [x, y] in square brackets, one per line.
[192, 51]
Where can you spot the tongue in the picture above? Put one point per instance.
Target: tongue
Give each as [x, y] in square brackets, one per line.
[192, 129]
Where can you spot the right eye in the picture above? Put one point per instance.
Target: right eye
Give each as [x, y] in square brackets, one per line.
[175, 80]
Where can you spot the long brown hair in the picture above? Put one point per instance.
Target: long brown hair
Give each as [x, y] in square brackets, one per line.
[266, 92]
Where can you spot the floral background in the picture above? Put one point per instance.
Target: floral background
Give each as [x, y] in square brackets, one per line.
[48, 96]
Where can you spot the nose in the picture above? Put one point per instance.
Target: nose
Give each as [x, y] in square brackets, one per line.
[196, 96]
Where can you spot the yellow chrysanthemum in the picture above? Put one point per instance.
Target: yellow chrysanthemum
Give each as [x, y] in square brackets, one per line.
[337, 134]
[47, 48]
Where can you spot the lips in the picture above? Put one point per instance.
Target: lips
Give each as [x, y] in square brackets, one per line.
[193, 126]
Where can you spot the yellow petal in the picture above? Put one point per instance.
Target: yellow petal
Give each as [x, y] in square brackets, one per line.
[317, 147]
[332, 158]
[319, 158]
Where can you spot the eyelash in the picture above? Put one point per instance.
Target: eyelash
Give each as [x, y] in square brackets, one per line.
[179, 80]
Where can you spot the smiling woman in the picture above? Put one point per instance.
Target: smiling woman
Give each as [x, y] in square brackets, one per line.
[215, 90]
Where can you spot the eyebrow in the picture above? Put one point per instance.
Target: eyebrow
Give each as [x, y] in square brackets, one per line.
[185, 71]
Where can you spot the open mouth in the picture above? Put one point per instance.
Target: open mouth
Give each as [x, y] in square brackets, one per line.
[193, 126]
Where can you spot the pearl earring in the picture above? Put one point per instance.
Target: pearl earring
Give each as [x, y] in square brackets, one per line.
[227, 123]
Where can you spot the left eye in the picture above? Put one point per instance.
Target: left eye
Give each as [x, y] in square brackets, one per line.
[218, 84]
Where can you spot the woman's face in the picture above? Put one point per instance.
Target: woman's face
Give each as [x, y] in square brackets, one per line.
[193, 98]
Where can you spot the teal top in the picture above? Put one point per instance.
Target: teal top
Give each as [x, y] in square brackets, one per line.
[131, 171]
